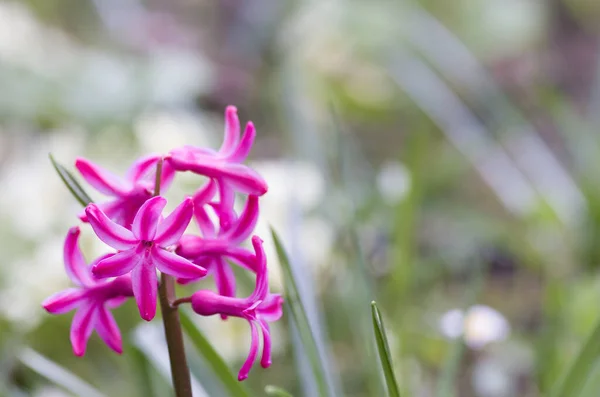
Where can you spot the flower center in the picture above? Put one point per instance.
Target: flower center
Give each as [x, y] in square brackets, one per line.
[148, 244]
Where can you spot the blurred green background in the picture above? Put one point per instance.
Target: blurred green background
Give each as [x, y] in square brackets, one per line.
[441, 157]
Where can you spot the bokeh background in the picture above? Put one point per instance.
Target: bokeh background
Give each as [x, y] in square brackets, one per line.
[441, 157]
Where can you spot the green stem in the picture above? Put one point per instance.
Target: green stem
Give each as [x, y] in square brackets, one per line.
[180, 373]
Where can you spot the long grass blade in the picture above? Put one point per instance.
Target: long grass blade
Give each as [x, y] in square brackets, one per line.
[275, 391]
[384, 352]
[294, 306]
[56, 374]
[578, 374]
[213, 359]
[69, 180]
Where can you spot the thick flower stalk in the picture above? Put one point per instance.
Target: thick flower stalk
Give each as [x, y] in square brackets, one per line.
[145, 243]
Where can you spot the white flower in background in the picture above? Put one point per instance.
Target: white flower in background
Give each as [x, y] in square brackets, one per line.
[479, 326]
[491, 379]
[393, 182]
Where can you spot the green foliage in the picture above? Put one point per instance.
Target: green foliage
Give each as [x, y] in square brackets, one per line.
[384, 352]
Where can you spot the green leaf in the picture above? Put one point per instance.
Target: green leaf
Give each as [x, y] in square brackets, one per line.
[57, 374]
[384, 352]
[213, 359]
[577, 376]
[276, 391]
[293, 305]
[142, 369]
[71, 183]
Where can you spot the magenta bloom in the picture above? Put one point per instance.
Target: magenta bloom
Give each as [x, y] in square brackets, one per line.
[92, 298]
[143, 249]
[224, 165]
[129, 193]
[216, 246]
[259, 309]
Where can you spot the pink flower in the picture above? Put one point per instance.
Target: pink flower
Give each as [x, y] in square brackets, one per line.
[128, 193]
[143, 249]
[215, 246]
[223, 165]
[92, 299]
[259, 309]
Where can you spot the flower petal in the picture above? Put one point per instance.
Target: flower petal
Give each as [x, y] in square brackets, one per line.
[142, 167]
[108, 231]
[241, 177]
[82, 327]
[246, 222]
[243, 374]
[271, 309]
[63, 301]
[243, 149]
[241, 257]
[172, 227]
[175, 265]
[262, 282]
[206, 225]
[265, 359]
[107, 329]
[224, 209]
[118, 264]
[205, 262]
[146, 221]
[75, 265]
[143, 281]
[224, 279]
[232, 131]
[104, 181]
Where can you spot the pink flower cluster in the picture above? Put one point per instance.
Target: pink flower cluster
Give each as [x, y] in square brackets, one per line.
[144, 241]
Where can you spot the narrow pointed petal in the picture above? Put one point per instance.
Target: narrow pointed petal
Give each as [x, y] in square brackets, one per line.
[143, 281]
[265, 359]
[63, 301]
[224, 280]
[142, 168]
[103, 180]
[82, 327]
[107, 329]
[243, 374]
[75, 265]
[242, 257]
[232, 131]
[271, 309]
[146, 221]
[244, 147]
[244, 179]
[225, 211]
[174, 265]
[262, 283]
[108, 231]
[205, 262]
[172, 227]
[205, 224]
[117, 264]
[166, 177]
[241, 177]
[246, 222]
[205, 193]
[190, 246]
